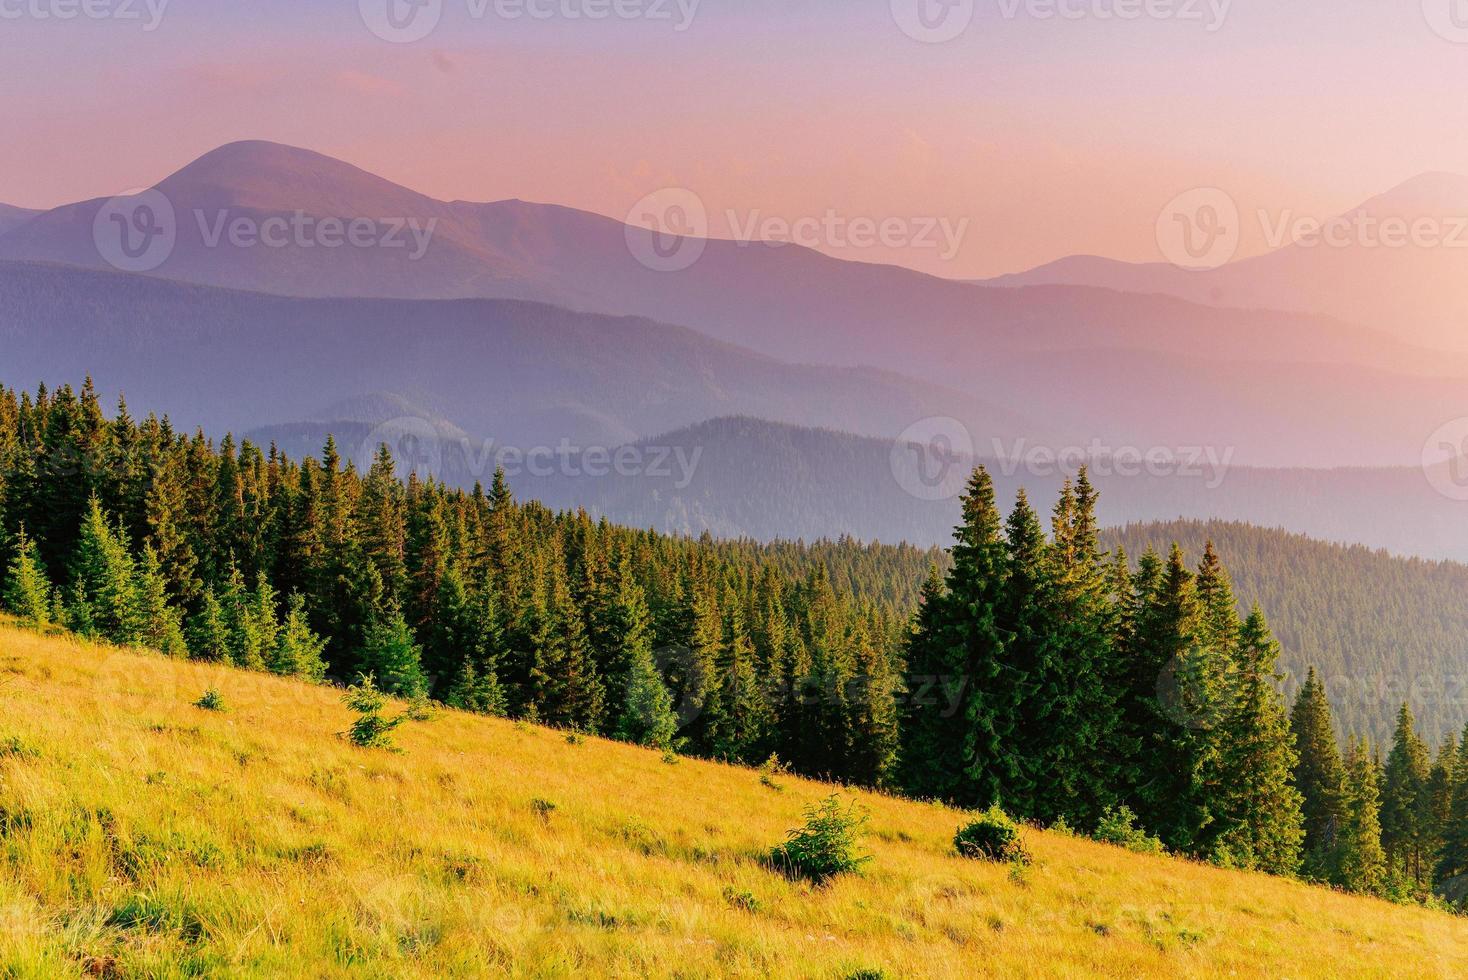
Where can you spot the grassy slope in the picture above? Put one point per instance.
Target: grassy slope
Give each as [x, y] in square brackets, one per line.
[152, 838]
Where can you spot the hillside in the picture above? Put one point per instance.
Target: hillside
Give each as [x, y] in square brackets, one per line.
[143, 836]
[511, 373]
[1380, 630]
[771, 480]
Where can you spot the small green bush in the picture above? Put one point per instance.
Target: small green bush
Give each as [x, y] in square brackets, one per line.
[770, 769]
[543, 809]
[1118, 826]
[211, 701]
[740, 899]
[992, 837]
[371, 730]
[828, 844]
[15, 747]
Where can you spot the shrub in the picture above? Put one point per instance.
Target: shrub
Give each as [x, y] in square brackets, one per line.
[371, 730]
[1118, 826]
[211, 701]
[828, 844]
[740, 899]
[543, 809]
[771, 768]
[15, 747]
[992, 837]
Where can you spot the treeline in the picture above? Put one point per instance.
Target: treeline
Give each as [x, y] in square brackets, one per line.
[1072, 688]
[1379, 629]
[134, 533]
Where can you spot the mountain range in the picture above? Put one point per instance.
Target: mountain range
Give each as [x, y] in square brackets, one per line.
[1398, 263]
[520, 325]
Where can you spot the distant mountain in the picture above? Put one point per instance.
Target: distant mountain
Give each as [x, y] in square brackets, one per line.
[1121, 368]
[766, 480]
[520, 374]
[13, 217]
[1379, 630]
[1415, 288]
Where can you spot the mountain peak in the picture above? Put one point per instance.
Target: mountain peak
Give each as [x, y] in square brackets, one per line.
[266, 176]
[1431, 194]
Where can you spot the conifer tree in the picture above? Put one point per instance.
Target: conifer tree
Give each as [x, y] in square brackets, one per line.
[393, 656]
[1404, 786]
[1319, 773]
[298, 652]
[1452, 859]
[1358, 862]
[951, 744]
[104, 591]
[208, 631]
[1259, 821]
[27, 594]
[160, 624]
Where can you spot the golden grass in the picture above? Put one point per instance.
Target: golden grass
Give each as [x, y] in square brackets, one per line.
[140, 836]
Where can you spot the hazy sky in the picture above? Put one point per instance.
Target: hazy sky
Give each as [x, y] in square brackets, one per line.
[1028, 136]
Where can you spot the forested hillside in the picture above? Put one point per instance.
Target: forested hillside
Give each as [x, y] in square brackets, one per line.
[1035, 671]
[1380, 630]
[769, 480]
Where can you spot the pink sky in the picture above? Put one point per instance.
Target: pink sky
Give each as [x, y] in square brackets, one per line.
[1040, 137]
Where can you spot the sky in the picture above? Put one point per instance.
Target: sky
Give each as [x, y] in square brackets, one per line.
[988, 137]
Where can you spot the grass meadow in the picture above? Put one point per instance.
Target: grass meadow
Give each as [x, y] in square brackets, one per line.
[141, 836]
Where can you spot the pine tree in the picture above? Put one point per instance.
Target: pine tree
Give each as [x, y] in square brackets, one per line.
[298, 652]
[1319, 773]
[647, 709]
[1260, 825]
[1358, 862]
[951, 748]
[1404, 786]
[208, 632]
[104, 592]
[27, 593]
[1452, 859]
[392, 655]
[738, 733]
[160, 624]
